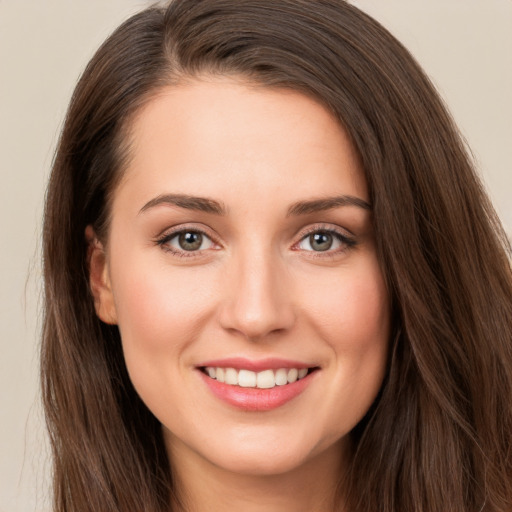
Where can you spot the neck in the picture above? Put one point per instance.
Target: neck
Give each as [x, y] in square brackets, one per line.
[201, 485]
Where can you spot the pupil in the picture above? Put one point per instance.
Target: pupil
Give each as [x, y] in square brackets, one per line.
[190, 241]
[320, 241]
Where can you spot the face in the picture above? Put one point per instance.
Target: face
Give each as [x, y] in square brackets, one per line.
[242, 273]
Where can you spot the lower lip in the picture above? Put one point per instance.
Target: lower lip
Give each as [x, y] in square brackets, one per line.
[255, 399]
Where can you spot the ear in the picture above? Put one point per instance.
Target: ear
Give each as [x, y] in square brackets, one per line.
[99, 278]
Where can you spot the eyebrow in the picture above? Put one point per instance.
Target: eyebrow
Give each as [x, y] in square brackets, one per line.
[207, 205]
[202, 204]
[319, 205]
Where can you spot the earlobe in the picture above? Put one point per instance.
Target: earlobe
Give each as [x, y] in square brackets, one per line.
[99, 278]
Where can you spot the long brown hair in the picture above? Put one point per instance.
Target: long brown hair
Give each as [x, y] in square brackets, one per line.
[439, 437]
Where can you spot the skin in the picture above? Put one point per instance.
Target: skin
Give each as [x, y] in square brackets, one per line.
[256, 288]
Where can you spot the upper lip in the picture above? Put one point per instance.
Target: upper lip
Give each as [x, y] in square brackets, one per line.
[241, 363]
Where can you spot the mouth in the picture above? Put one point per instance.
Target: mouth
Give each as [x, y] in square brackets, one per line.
[256, 386]
[265, 379]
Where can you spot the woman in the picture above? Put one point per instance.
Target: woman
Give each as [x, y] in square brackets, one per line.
[273, 279]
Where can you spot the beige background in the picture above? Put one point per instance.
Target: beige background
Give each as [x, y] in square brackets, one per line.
[464, 45]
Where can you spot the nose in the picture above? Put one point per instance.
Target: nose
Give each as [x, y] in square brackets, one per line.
[257, 300]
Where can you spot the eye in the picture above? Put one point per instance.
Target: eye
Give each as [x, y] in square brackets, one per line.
[187, 240]
[324, 240]
[319, 241]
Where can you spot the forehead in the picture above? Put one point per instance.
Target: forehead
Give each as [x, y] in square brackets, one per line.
[221, 137]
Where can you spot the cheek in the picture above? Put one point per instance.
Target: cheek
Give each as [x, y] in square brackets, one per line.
[160, 312]
[158, 300]
[351, 311]
[352, 317]
[363, 328]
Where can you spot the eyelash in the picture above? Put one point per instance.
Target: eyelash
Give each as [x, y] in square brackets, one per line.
[347, 242]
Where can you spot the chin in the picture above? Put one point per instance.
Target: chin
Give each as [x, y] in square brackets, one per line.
[272, 456]
[262, 463]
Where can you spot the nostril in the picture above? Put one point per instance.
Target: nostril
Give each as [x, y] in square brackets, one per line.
[255, 321]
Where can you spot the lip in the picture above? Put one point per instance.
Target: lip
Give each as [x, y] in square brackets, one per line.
[255, 399]
[241, 363]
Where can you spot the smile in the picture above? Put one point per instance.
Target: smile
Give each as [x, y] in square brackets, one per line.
[265, 379]
[257, 385]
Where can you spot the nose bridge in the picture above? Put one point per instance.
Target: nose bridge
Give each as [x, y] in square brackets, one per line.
[258, 302]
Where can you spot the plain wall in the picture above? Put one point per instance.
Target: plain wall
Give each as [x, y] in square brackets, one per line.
[464, 45]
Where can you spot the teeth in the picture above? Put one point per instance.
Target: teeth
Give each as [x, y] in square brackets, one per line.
[231, 376]
[246, 379]
[265, 379]
[282, 377]
[293, 375]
